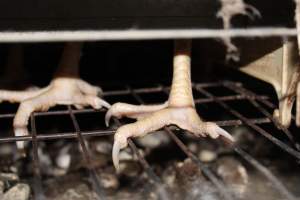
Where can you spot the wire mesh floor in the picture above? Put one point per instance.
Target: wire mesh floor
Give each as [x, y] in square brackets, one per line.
[226, 100]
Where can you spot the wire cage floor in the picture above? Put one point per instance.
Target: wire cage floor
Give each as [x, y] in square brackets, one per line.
[205, 95]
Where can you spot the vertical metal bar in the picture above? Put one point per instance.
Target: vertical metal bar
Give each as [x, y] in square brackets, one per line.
[93, 174]
[37, 179]
[267, 173]
[154, 179]
[276, 141]
[242, 91]
[223, 191]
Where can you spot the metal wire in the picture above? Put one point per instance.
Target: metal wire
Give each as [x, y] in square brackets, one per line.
[37, 179]
[87, 156]
[223, 191]
[258, 129]
[102, 133]
[239, 89]
[267, 173]
[242, 94]
[153, 178]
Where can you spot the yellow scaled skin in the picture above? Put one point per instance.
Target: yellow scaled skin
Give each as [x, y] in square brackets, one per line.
[178, 110]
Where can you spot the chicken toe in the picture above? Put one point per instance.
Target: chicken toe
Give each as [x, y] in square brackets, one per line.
[61, 91]
[120, 110]
[65, 89]
[179, 110]
[184, 117]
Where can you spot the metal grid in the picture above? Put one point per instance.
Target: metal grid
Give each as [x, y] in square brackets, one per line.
[260, 102]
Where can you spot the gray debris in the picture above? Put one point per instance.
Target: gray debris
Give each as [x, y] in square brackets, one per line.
[109, 181]
[193, 146]
[126, 155]
[63, 161]
[80, 192]
[2, 186]
[45, 160]
[207, 155]
[6, 149]
[20, 191]
[234, 174]
[130, 169]
[103, 147]
[154, 140]
[9, 177]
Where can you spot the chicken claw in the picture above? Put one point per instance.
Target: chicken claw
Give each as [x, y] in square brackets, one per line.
[179, 110]
[185, 118]
[120, 110]
[61, 91]
[66, 88]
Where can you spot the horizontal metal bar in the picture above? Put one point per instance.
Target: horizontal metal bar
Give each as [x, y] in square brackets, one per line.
[89, 110]
[262, 110]
[54, 136]
[223, 191]
[267, 173]
[101, 133]
[153, 178]
[56, 112]
[94, 35]
[258, 129]
[228, 98]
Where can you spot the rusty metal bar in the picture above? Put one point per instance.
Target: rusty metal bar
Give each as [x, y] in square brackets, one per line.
[154, 179]
[53, 136]
[228, 98]
[37, 179]
[245, 94]
[126, 91]
[86, 154]
[159, 185]
[101, 133]
[83, 111]
[57, 112]
[258, 129]
[237, 122]
[240, 90]
[267, 173]
[223, 191]
[266, 102]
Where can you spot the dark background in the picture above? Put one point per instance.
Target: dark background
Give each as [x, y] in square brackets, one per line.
[133, 14]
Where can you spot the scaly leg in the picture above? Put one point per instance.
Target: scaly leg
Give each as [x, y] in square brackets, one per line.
[65, 89]
[179, 109]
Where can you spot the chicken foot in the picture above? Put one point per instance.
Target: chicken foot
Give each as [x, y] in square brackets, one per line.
[178, 110]
[65, 89]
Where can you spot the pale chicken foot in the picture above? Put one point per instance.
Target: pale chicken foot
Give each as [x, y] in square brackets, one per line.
[65, 89]
[178, 110]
